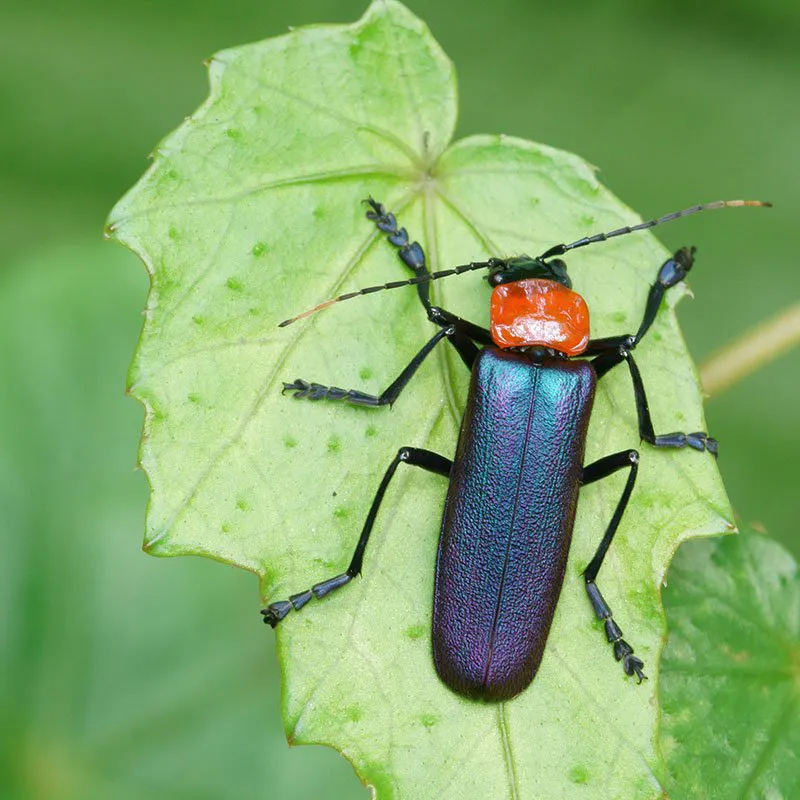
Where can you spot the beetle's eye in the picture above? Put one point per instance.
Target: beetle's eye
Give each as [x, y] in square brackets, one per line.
[558, 269]
[494, 277]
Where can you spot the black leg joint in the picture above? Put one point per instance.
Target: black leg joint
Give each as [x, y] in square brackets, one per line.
[326, 587]
[438, 316]
[613, 631]
[299, 600]
[674, 270]
[601, 608]
[465, 328]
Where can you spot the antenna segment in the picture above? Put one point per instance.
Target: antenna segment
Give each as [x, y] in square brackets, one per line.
[556, 250]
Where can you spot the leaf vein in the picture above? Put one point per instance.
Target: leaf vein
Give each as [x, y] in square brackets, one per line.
[332, 176]
[261, 396]
[763, 759]
[508, 754]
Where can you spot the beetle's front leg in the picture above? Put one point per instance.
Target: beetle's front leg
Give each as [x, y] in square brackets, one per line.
[670, 274]
[413, 256]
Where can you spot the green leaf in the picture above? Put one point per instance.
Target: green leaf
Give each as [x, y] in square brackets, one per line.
[251, 212]
[731, 671]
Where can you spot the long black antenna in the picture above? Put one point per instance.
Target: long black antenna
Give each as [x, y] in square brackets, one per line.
[560, 249]
[557, 250]
[431, 276]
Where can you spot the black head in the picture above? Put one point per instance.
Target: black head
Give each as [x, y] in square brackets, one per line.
[522, 267]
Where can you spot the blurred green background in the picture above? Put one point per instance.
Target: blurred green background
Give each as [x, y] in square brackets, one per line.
[126, 676]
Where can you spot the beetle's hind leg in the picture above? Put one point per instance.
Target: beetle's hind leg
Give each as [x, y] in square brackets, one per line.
[595, 472]
[432, 462]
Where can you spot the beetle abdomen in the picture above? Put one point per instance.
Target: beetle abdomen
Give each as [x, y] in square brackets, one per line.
[508, 521]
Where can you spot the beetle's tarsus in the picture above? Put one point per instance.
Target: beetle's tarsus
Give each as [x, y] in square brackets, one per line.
[312, 391]
[275, 612]
[300, 387]
[699, 440]
[306, 390]
[631, 664]
[411, 253]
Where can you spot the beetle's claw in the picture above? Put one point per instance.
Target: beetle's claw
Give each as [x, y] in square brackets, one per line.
[275, 612]
[633, 666]
[299, 386]
[630, 663]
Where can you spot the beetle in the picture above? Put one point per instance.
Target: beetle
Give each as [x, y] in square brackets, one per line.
[518, 466]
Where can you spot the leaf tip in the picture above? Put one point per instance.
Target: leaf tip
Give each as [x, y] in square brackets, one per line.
[151, 545]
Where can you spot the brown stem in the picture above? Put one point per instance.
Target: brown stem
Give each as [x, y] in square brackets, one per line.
[746, 354]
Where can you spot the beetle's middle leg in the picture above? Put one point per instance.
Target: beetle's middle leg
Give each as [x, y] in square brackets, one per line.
[428, 460]
[616, 349]
[316, 391]
[699, 440]
[594, 472]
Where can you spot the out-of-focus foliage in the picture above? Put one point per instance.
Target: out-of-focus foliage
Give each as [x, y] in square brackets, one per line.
[733, 606]
[676, 102]
[123, 676]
